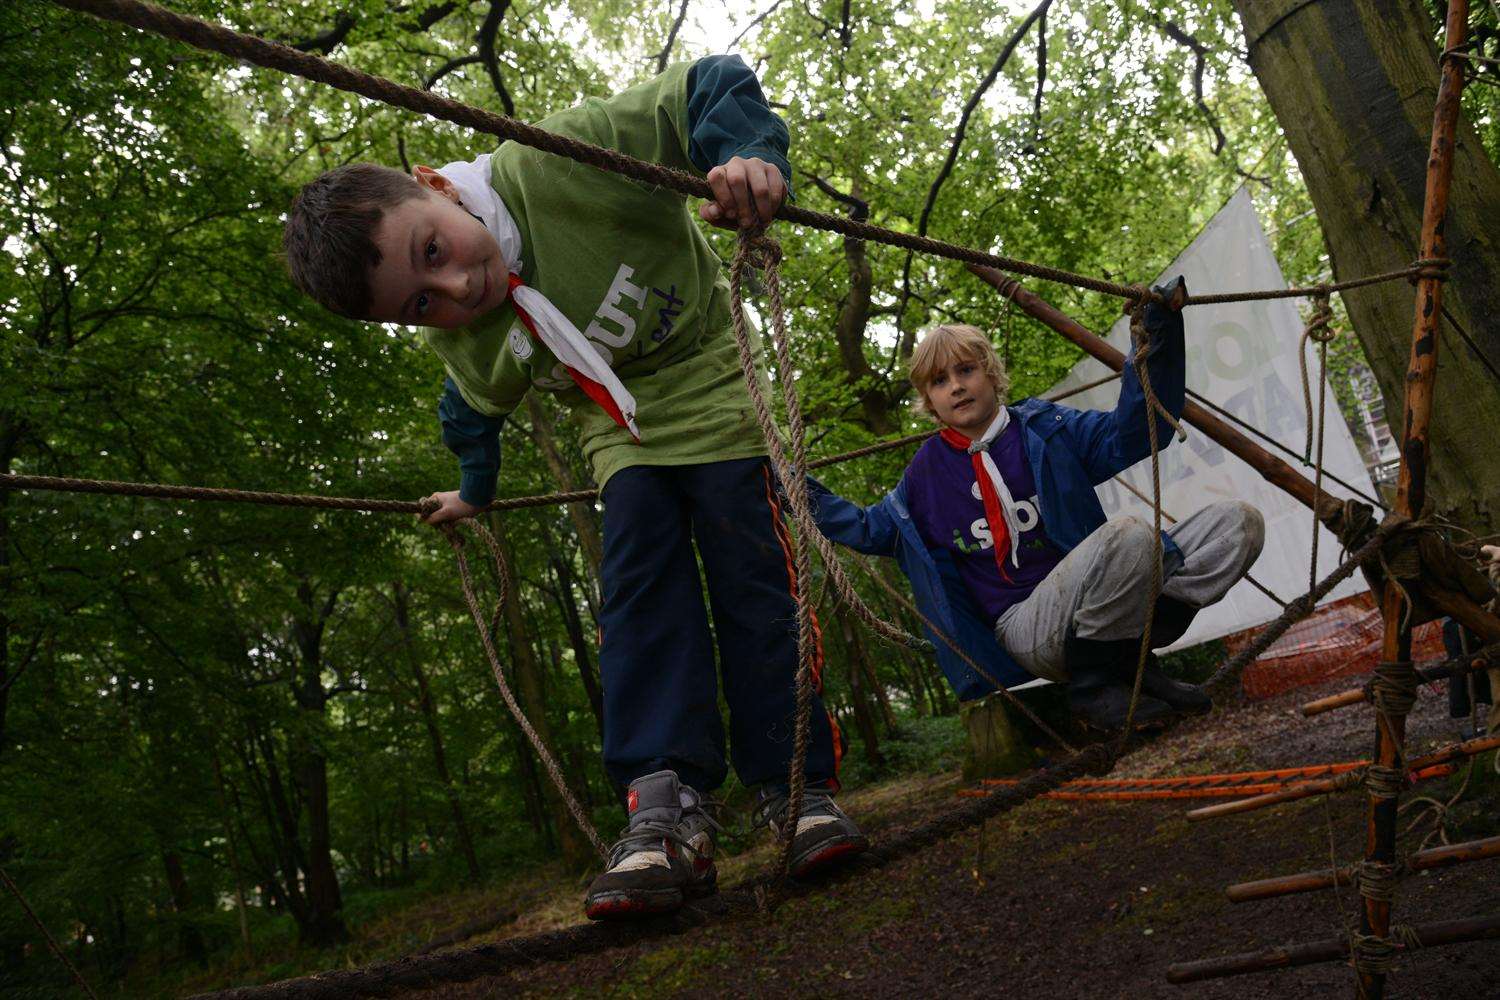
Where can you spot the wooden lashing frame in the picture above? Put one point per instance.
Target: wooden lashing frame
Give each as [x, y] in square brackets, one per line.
[1411, 488]
[1411, 494]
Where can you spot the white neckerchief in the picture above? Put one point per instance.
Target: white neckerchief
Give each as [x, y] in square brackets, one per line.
[981, 446]
[558, 334]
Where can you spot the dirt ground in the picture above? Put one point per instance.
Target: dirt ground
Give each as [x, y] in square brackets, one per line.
[1073, 900]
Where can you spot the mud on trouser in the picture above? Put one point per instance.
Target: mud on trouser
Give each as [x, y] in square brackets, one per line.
[1102, 588]
[661, 709]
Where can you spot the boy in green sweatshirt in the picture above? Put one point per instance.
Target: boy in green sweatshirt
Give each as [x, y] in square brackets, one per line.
[529, 270]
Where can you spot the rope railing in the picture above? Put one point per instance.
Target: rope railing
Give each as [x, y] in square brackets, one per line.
[309, 66]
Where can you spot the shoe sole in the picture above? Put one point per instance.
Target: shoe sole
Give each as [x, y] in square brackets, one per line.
[631, 905]
[827, 854]
[625, 904]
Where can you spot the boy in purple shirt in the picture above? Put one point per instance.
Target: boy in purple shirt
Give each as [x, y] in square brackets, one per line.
[997, 525]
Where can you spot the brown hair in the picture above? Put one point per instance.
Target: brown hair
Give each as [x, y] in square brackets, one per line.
[952, 342]
[329, 240]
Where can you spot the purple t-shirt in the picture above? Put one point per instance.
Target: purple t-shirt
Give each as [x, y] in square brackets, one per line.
[943, 497]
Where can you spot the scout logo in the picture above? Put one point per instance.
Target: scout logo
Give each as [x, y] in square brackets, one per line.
[520, 344]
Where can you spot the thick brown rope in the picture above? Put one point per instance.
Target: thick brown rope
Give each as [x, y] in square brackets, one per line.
[451, 531]
[764, 253]
[169, 491]
[283, 58]
[801, 507]
[52, 945]
[406, 974]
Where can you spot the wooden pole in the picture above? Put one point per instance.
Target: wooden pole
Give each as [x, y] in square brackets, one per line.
[1307, 789]
[1411, 485]
[1458, 666]
[1274, 470]
[1328, 950]
[1286, 885]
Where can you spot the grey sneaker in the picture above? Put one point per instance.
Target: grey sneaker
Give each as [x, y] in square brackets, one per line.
[824, 834]
[665, 854]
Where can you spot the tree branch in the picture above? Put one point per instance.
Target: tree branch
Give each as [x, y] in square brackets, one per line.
[1041, 80]
[325, 42]
[486, 42]
[665, 54]
[903, 343]
[1200, 62]
[753, 25]
[458, 62]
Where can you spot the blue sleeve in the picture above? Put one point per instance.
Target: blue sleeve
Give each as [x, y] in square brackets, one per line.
[728, 116]
[475, 439]
[1111, 442]
[871, 530]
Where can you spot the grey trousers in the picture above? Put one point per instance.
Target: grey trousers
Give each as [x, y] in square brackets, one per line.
[1102, 589]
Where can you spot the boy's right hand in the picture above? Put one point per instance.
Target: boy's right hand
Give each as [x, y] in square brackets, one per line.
[450, 508]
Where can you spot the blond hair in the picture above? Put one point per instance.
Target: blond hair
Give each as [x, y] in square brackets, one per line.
[948, 344]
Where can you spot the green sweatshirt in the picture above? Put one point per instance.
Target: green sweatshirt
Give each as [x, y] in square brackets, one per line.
[628, 265]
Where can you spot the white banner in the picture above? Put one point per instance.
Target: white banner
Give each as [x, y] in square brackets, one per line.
[1242, 356]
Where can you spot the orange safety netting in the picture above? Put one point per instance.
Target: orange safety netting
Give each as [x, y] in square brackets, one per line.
[1340, 639]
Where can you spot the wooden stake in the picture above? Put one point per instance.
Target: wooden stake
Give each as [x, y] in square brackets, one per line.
[1286, 885]
[1411, 484]
[1419, 766]
[1456, 667]
[1328, 950]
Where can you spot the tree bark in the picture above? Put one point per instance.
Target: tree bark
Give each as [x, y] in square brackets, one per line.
[309, 762]
[189, 937]
[1353, 84]
[574, 848]
[849, 331]
[582, 515]
[425, 702]
[859, 697]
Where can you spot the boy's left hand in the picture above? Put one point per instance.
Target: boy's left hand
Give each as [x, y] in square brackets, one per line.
[747, 194]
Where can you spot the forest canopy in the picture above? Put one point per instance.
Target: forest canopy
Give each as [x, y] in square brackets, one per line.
[213, 709]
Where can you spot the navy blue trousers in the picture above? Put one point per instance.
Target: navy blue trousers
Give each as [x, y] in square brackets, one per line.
[661, 708]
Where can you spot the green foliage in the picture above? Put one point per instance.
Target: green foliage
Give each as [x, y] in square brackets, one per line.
[193, 698]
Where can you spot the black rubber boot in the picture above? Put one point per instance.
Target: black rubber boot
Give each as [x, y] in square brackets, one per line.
[1170, 621]
[1182, 697]
[1096, 695]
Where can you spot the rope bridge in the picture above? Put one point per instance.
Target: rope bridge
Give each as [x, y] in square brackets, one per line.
[791, 466]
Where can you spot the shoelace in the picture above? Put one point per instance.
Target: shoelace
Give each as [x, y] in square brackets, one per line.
[648, 833]
[769, 809]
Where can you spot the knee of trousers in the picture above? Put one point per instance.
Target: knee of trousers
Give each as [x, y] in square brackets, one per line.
[1244, 521]
[1127, 541]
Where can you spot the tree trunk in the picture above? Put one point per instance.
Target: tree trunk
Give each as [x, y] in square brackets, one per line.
[434, 734]
[189, 937]
[849, 331]
[573, 622]
[995, 746]
[574, 847]
[234, 861]
[860, 699]
[582, 515]
[1353, 84]
[309, 764]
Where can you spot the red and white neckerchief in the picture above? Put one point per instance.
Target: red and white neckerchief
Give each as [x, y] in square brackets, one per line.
[999, 505]
[543, 320]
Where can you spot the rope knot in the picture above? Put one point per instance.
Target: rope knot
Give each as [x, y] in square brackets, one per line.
[1435, 268]
[1319, 325]
[761, 252]
[427, 506]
